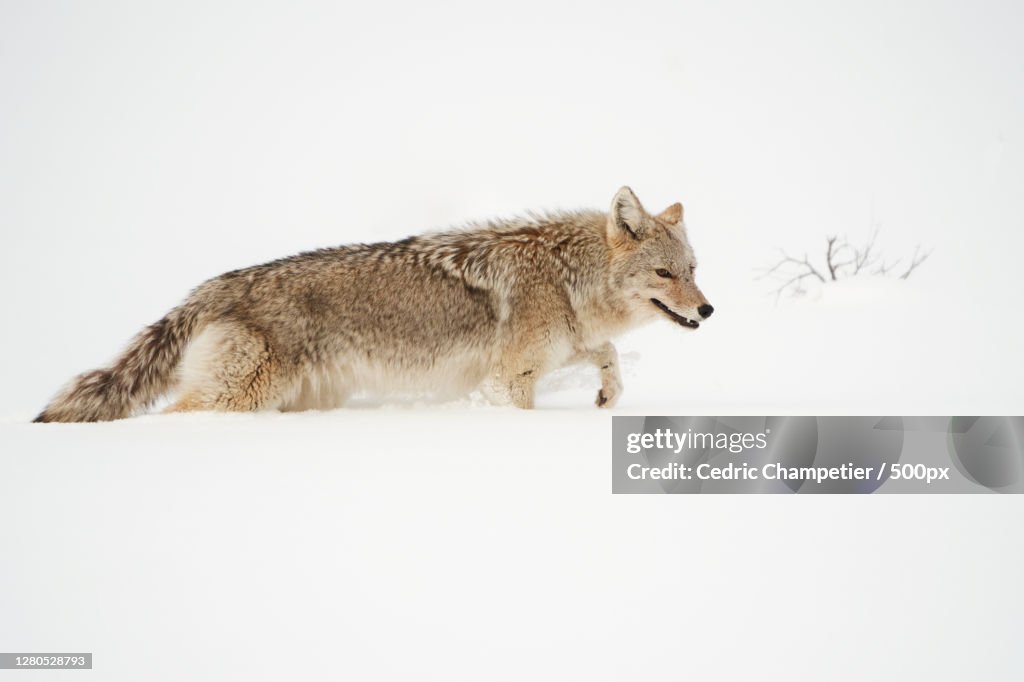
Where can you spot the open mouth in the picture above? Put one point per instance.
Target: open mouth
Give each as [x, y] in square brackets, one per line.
[684, 321]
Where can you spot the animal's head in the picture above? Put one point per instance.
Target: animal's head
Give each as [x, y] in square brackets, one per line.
[652, 264]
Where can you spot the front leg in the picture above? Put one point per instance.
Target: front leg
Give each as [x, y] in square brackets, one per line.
[522, 364]
[522, 388]
[605, 359]
[516, 379]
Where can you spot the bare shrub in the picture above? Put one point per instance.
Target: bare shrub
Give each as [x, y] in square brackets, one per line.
[841, 259]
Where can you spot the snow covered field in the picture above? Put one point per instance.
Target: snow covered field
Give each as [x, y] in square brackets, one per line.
[145, 148]
[441, 544]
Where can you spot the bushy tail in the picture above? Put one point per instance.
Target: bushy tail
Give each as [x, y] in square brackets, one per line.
[141, 374]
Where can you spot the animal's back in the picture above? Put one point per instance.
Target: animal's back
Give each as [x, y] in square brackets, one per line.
[379, 318]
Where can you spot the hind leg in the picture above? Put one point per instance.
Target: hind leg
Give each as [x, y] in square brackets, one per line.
[229, 368]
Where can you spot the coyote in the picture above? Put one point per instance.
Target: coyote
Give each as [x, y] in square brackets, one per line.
[493, 306]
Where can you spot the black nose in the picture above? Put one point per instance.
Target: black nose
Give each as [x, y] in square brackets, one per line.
[705, 310]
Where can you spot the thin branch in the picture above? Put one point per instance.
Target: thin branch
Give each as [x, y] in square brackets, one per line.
[829, 254]
[918, 258]
[864, 257]
[791, 282]
[789, 260]
[884, 268]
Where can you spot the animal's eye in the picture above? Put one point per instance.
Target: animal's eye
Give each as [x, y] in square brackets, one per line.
[692, 269]
[662, 272]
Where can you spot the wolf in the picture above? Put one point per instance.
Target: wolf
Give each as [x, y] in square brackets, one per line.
[493, 305]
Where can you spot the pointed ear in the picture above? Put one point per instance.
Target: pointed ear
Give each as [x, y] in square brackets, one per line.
[671, 215]
[627, 215]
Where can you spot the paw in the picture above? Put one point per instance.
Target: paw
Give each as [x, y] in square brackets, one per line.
[521, 390]
[609, 394]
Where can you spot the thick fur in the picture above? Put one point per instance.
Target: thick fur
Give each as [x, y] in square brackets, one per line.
[495, 305]
[140, 375]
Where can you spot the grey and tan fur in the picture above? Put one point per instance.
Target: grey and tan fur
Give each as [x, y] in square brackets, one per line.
[494, 306]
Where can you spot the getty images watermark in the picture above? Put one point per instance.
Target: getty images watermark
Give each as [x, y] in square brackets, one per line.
[818, 454]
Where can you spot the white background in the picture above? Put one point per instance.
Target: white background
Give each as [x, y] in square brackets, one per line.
[145, 147]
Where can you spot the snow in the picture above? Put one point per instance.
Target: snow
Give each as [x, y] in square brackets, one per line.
[443, 544]
[144, 149]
